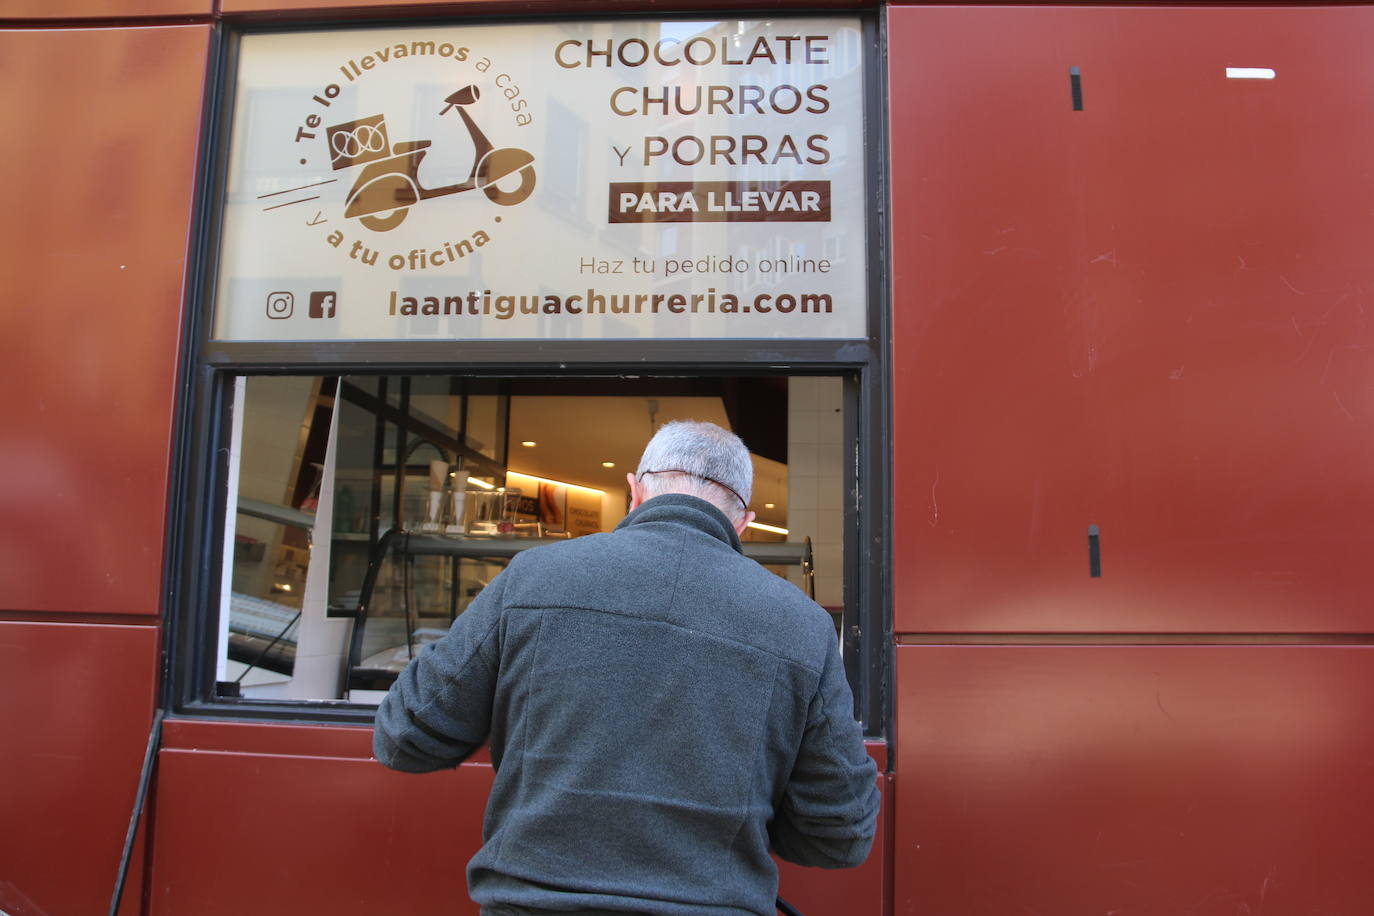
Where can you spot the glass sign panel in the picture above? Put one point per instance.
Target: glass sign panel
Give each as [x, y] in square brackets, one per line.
[629, 179]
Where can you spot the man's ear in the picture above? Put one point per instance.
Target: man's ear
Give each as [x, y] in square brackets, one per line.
[744, 522]
[636, 492]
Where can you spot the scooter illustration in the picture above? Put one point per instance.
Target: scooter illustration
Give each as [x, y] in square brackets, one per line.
[390, 185]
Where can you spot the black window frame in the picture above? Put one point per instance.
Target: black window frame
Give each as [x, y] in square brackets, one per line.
[200, 450]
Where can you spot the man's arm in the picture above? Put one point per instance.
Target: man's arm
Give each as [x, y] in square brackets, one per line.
[829, 811]
[439, 710]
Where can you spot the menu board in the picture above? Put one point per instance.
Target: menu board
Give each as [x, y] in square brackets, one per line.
[581, 180]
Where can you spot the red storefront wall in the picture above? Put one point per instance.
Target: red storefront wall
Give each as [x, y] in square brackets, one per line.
[107, 190]
[98, 156]
[1148, 316]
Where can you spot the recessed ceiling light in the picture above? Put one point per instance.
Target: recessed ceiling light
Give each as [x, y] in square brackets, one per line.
[608, 464]
[529, 443]
[770, 505]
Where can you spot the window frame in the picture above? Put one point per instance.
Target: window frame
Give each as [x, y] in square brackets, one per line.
[200, 453]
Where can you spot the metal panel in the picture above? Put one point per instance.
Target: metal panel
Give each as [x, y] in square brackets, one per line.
[281, 834]
[861, 891]
[551, 7]
[1147, 315]
[78, 703]
[335, 815]
[1209, 781]
[99, 165]
[250, 738]
[104, 9]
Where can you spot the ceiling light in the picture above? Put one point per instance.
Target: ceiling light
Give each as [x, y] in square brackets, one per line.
[482, 483]
[770, 505]
[772, 528]
[608, 464]
[529, 443]
[556, 483]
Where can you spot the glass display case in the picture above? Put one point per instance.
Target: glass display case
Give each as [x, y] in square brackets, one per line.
[416, 585]
[416, 460]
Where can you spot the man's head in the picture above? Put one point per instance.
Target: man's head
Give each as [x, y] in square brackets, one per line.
[699, 459]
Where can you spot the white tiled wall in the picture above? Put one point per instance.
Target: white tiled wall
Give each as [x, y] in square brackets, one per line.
[815, 490]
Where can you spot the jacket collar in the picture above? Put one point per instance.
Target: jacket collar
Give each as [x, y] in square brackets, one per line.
[682, 509]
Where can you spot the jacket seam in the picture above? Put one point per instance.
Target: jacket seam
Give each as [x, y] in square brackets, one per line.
[667, 623]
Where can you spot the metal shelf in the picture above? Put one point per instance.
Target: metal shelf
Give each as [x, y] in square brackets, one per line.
[282, 515]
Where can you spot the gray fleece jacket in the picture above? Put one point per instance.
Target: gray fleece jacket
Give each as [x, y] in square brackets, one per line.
[661, 712]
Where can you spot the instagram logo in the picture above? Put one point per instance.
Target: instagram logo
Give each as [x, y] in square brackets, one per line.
[280, 305]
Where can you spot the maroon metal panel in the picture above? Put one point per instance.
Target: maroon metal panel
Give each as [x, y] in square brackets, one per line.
[75, 718]
[103, 9]
[336, 814]
[470, 7]
[99, 165]
[861, 891]
[1200, 780]
[280, 834]
[226, 736]
[1147, 315]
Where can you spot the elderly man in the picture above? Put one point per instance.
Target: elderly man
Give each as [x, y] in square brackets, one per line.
[661, 710]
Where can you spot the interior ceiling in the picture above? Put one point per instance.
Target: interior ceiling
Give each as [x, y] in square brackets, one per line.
[575, 434]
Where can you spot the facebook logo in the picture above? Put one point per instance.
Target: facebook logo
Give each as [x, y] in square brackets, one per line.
[323, 304]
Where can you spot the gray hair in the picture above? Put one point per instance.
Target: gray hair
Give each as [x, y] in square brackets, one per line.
[711, 462]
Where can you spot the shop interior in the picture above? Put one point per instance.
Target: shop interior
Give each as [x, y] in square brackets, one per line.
[371, 510]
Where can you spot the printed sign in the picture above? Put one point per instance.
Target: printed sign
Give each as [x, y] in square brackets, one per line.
[553, 507]
[580, 180]
[584, 512]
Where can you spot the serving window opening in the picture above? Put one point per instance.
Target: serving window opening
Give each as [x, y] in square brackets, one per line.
[365, 513]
